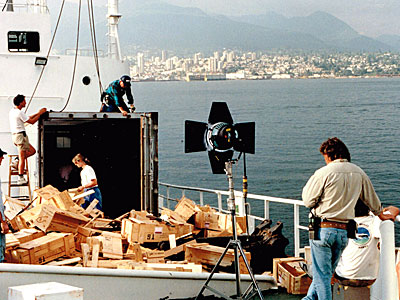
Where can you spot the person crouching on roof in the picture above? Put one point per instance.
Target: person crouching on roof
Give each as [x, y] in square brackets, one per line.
[88, 181]
[112, 100]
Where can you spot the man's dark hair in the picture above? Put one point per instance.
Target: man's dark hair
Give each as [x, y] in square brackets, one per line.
[335, 149]
[18, 99]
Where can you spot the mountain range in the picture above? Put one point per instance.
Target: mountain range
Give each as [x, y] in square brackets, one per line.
[154, 24]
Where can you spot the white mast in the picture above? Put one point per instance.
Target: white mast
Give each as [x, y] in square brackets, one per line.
[113, 16]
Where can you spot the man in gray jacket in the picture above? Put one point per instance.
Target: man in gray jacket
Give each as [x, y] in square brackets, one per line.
[332, 193]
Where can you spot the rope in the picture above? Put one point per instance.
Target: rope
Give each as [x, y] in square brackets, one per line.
[48, 54]
[75, 59]
[94, 42]
[5, 4]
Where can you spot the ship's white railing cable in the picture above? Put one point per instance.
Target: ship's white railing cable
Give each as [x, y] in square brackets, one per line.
[220, 193]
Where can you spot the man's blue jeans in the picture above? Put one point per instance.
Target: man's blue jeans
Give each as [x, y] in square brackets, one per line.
[325, 254]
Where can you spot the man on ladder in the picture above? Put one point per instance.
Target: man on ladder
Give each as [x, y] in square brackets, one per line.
[19, 137]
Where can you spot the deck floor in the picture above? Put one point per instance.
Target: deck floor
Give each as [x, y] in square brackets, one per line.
[279, 294]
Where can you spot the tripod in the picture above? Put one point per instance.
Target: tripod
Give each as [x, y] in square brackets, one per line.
[237, 247]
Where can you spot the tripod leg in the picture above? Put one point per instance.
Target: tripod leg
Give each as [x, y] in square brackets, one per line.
[237, 271]
[253, 279]
[214, 270]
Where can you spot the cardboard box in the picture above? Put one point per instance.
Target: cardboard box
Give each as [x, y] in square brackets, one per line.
[151, 231]
[43, 249]
[293, 278]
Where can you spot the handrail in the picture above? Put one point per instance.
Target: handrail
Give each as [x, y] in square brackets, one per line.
[27, 7]
[219, 193]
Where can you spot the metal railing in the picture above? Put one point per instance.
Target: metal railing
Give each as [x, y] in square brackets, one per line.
[267, 200]
[25, 7]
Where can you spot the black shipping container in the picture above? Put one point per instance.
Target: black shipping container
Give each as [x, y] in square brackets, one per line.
[123, 151]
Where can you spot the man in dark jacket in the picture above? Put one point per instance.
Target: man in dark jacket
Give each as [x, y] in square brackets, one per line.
[112, 97]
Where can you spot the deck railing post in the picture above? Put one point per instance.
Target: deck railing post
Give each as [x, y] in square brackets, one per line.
[266, 209]
[219, 202]
[168, 206]
[296, 223]
[201, 199]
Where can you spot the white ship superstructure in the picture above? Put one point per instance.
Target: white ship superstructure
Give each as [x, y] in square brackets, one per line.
[54, 81]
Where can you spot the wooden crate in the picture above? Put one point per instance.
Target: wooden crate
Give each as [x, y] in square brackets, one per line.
[225, 222]
[29, 234]
[43, 249]
[293, 278]
[65, 221]
[203, 253]
[276, 261]
[207, 220]
[185, 208]
[151, 231]
[48, 217]
[112, 245]
[82, 234]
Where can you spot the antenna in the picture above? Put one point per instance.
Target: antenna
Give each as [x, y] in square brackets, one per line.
[113, 16]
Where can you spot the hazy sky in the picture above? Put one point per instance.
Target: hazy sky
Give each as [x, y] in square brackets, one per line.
[369, 17]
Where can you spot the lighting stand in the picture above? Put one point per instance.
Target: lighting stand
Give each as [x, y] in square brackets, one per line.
[237, 247]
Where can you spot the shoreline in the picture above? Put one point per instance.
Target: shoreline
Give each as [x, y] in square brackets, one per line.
[283, 78]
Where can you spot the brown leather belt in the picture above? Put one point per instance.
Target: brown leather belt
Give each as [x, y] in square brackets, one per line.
[331, 224]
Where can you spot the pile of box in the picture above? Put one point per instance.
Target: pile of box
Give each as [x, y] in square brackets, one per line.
[55, 230]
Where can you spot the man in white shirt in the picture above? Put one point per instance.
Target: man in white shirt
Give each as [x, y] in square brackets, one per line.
[359, 263]
[18, 118]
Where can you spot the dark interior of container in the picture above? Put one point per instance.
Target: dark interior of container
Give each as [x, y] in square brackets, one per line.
[113, 149]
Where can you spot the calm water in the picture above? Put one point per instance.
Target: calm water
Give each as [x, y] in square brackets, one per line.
[292, 118]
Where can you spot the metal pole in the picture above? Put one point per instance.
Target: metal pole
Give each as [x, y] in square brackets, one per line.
[232, 209]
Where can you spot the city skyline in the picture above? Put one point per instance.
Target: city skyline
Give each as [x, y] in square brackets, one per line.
[230, 64]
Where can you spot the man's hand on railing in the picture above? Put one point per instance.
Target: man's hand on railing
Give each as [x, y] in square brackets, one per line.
[390, 213]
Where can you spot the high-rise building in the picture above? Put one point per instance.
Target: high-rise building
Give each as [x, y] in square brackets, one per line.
[164, 55]
[196, 58]
[140, 63]
[231, 57]
[169, 64]
[212, 64]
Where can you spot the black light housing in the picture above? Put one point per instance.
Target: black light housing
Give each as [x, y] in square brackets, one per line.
[40, 61]
[220, 137]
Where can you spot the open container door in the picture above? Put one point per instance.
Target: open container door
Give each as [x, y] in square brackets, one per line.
[122, 151]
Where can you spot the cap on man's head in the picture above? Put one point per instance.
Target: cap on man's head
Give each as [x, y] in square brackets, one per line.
[2, 152]
[126, 80]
